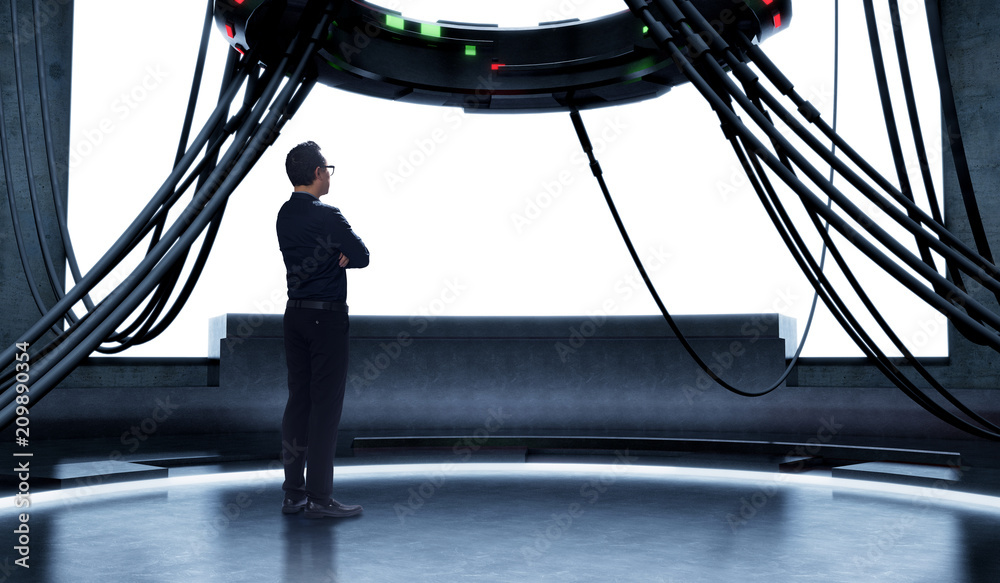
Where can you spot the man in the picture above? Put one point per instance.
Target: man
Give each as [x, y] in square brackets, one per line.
[317, 245]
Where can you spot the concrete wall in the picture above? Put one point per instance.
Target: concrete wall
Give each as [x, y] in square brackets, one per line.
[973, 53]
[109, 398]
[412, 376]
[19, 310]
[566, 375]
[521, 376]
[553, 374]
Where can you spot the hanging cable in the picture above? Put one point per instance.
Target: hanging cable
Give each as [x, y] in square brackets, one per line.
[953, 130]
[856, 214]
[941, 235]
[872, 227]
[595, 167]
[145, 327]
[137, 228]
[700, 49]
[921, 149]
[892, 129]
[894, 138]
[850, 324]
[260, 129]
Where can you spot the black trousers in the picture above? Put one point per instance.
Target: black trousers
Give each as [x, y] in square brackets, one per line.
[316, 354]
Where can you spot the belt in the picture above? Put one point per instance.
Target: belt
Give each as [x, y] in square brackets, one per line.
[332, 306]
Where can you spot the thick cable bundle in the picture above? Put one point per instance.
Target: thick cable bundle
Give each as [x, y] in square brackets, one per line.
[681, 30]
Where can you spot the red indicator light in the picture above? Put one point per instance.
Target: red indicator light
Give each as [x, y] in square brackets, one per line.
[766, 2]
[496, 66]
[777, 20]
[241, 1]
[230, 31]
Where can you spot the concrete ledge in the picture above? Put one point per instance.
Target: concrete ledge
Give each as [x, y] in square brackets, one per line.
[493, 377]
[85, 474]
[519, 374]
[117, 371]
[900, 473]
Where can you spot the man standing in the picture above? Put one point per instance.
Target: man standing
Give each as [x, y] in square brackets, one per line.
[317, 245]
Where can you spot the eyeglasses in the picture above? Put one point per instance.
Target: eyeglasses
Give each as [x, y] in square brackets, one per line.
[330, 167]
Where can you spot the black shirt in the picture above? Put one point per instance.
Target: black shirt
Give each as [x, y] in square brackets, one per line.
[311, 236]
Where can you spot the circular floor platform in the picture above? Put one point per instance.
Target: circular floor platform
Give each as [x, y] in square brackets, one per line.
[536, 522]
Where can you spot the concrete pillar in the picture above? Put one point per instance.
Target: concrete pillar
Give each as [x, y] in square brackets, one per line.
[973, 51]
[19, 310]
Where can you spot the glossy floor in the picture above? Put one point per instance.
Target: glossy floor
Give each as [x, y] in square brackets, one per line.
[511, 522]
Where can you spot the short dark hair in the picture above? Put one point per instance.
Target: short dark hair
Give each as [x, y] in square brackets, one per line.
[301, 163]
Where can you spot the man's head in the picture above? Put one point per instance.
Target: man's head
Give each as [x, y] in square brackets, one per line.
[306, 168]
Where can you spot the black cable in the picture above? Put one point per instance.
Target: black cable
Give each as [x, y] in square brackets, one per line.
[921, 149]
[760, 58]
[7, 379]
[129, 239]
[792, 239]
[192, 103]
[145, 323]
[856, 214]
[946, 237]
[856, 331]
[892, 129]
[842, 313]
[595, 167]
[110, 259]
[251, 139]
[953, 130]
[883, 363]
[911, 108]
[894, 139]
[196, 80]
[889, 242]
[151, 332]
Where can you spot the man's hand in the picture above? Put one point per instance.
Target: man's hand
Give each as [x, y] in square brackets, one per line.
[343, 261]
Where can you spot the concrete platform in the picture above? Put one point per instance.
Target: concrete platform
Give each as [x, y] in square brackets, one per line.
[615, 518]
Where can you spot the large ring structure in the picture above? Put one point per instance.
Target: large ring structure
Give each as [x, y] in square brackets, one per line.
[374, 51]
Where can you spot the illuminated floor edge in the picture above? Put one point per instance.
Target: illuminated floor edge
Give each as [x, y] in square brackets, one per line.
[938, 495]
[509, 521]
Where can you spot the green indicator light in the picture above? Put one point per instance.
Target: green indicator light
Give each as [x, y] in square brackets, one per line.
[394, 22]
[470, 50]
[430, 29]
[645, 30]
